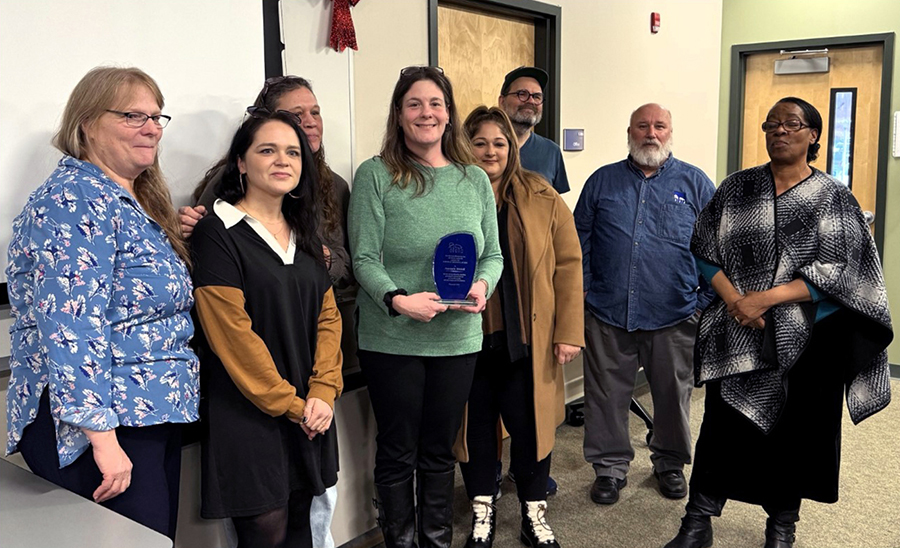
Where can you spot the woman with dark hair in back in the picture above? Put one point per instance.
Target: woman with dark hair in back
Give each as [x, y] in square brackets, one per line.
[270, 351]
[417, 354]
[800, 319]
[295, 95]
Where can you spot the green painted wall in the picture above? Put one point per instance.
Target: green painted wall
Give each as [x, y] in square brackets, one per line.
[755, 21]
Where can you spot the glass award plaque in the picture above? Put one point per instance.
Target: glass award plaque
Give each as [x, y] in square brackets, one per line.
[454, 268]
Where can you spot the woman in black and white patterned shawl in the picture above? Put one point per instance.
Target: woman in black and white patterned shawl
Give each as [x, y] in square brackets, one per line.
[800, 320]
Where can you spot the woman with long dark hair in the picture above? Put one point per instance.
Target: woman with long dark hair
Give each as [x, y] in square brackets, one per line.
[418, 355]
[294, 94]
[270, 354]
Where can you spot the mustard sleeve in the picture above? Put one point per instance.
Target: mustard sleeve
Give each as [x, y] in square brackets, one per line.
[244, 354]
[327, 379]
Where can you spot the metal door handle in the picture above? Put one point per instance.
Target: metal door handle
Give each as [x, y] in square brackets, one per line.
[870, 217]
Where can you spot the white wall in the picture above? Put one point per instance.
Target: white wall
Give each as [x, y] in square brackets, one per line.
[305, 28]
[206, 56]
[391, 35]
[611, 64]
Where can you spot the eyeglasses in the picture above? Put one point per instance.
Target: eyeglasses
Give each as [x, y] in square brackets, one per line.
[420, 68]
[138, 119]
[524, 95]
[263, 112]
[789, 125]
[276, 80]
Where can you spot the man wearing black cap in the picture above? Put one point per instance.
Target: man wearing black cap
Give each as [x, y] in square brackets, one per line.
[522, 98]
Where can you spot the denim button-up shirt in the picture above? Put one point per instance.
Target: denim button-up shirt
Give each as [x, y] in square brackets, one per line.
[101, 308]
[635, 234]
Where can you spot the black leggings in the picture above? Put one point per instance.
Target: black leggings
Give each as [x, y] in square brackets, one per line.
[285, 527]
[503, 389]
[154, 451]
[418, 403]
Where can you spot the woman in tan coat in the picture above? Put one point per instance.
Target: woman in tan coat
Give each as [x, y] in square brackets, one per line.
[533, 325]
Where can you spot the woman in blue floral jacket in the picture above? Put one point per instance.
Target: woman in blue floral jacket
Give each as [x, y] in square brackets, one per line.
[101, 372]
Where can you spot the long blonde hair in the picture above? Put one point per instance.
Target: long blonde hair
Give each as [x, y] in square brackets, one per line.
[105, 88]
[401, 163]
[514, 174]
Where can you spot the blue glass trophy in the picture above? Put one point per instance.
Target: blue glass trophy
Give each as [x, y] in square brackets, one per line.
[454, 268]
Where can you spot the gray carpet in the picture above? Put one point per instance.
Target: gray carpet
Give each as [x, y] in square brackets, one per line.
[867, 515]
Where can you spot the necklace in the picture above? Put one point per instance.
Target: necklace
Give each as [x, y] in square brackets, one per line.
[280, 222]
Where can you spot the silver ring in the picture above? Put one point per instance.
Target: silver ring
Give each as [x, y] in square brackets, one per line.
[738, 320]
[304, 420]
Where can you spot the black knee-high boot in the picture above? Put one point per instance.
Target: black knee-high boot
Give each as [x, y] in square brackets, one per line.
[696, 526]
[435, 508]
[396, 514]
[780, 527]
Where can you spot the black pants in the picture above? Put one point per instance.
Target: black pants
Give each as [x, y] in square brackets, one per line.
[154, 451]
[503, 389]
[418, 403]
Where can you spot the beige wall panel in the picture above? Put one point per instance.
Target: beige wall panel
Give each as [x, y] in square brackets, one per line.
[477, 50]
[850, 67]
[391, 35]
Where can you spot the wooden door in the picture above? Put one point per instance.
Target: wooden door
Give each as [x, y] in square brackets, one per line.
[858, 68]
[476, 50]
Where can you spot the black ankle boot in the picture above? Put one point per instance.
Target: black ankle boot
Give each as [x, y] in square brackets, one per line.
[536, 532]
[396, 515]
[695, 532]
[696, 525]
[780, 528]
[435, 508]
[484, 522]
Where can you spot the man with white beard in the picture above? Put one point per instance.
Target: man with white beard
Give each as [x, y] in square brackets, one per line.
[642, 295]
[522, 98]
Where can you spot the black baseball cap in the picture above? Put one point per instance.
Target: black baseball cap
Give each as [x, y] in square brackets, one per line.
[525, 72]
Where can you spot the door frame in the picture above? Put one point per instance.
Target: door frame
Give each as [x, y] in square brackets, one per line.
[739, 55]
[547, 41]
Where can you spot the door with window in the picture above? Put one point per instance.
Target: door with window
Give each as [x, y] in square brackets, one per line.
[848, 97]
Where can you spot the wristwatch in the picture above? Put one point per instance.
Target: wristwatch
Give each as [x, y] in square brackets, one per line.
[389, 298]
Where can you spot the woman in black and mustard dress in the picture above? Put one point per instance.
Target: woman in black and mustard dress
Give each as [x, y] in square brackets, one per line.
[270, 351]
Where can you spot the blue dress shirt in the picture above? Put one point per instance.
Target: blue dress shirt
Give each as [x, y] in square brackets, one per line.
[635, 234]
[101, 313]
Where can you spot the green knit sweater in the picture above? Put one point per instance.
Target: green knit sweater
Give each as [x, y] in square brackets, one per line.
[392, 238]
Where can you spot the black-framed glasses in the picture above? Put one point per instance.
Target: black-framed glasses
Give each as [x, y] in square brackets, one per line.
[524, 95]
[420, 68]
[138, 119]
[789, 125]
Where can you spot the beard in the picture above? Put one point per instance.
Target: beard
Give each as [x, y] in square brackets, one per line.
[525, 117]
[650, 152]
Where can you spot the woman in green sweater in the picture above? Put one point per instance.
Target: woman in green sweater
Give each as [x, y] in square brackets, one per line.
[418, 355]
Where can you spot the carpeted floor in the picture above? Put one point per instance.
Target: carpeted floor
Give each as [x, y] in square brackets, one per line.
[867, 515]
